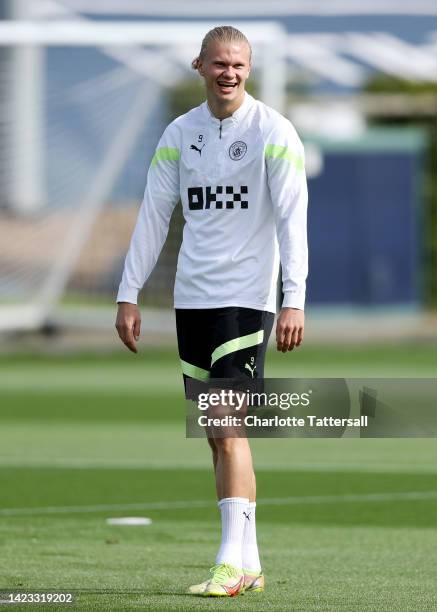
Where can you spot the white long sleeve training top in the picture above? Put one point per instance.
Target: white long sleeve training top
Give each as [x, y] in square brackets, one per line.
[241, 181]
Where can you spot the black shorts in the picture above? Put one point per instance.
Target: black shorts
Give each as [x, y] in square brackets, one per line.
[226, 342]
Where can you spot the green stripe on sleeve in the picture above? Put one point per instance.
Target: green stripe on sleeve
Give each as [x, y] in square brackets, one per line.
[193, 371]
[165, 154]
[279, 152]
[236, 344]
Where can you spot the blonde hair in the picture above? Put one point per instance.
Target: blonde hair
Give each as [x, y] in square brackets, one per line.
[226, 34]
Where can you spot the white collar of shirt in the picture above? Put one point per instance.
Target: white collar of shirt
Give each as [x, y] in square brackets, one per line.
[236, 116]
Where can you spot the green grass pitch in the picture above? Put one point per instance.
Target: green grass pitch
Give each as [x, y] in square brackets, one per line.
[348, 524]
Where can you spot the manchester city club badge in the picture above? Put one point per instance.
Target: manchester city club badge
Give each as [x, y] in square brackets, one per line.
[237, 150]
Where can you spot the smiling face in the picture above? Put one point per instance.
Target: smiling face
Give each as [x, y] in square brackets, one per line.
[225, 68]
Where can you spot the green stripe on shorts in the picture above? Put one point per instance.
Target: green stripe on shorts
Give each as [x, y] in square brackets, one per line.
[193, 371]
[237, 344]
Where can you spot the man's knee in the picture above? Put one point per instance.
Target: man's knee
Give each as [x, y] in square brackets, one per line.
[227, 446]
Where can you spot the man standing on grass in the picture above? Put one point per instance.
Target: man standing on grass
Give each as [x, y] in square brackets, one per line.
[238, 168]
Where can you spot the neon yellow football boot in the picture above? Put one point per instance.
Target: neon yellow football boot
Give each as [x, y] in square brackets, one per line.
[226, 581]
[254, 582]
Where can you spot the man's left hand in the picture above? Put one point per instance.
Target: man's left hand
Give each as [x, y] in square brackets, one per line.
[289, 329]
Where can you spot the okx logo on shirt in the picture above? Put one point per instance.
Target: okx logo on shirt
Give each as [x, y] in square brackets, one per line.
[221, 196]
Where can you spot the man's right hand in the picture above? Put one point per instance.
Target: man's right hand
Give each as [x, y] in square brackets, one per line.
[128, 324]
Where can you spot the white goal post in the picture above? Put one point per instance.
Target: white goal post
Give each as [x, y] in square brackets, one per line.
[43, 228]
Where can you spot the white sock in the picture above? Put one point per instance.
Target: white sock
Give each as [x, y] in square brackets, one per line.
[250, 559]
[231, 509]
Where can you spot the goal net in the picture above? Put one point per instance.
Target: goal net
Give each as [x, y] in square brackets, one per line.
[82, 106]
